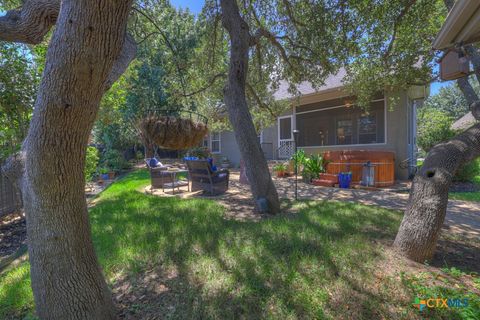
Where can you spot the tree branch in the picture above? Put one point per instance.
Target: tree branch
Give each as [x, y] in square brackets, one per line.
[289, 11]
[169, 45]
[210, 83]
[30, 23]
[127, 54]
[262, 32]
[14, 168]
[259, 101]
[398, 19]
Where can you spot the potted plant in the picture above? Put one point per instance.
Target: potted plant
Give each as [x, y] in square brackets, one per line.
[280, 169]
[225, 164]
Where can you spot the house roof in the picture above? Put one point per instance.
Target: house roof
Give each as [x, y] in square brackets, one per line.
[464, 122]
[305, 88]
[462, 25]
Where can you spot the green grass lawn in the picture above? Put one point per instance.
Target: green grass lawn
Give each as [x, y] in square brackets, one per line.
[465, 196]
[181, 259]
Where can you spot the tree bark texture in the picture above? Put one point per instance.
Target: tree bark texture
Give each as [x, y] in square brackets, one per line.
[88, 48]
[258, 173]
[427, 205]
[467, 90]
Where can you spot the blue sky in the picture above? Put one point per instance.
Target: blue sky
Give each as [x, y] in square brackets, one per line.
[195, 6]
[435, 87]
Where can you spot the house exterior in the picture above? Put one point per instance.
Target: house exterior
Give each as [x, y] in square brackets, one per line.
[328, 120]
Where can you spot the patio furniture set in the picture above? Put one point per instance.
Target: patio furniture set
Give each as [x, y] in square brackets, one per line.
[196, 174]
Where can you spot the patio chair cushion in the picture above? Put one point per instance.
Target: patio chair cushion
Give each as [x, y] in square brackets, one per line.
[212, 166]
[153, 163]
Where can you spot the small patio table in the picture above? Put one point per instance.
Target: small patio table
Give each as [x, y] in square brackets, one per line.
[176, 184]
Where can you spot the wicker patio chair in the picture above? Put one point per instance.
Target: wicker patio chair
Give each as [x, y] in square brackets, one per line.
[204, 178]
[158, 179]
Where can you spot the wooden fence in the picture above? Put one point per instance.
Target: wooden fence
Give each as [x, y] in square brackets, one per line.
[10, 199]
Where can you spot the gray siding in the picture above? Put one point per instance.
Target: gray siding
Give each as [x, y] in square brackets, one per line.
[396, 139]
[228, 148]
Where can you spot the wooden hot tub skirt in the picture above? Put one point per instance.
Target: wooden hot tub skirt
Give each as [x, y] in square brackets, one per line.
[353, 161]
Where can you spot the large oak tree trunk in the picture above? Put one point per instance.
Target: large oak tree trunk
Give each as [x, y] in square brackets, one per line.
[66, 278]
[258, 173]
[427, 205]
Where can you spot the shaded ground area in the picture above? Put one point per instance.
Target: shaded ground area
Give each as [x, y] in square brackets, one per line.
[459, 252]
[458, 246]
[12, 234]
[170, 259]
[13, 228]
[463, 217]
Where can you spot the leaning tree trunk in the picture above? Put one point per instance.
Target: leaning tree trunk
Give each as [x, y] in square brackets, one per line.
[85, 49]
[234, 94]
[427, 205]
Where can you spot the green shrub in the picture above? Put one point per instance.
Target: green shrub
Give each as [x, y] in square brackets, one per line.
[312, 167]
[199, 152]
[281, 167]
[91, 163]
[468, 172]
[114, 161]
[139, 155]
[434, 127]
[299, 158]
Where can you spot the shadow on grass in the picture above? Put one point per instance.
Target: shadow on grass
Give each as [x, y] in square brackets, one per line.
[458, 252]
[206, 266]
[168, 258]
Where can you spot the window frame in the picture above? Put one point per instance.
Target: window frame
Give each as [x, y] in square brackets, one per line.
[385, 126]
[344, 119]
[219, 140]
[291, 128]
[375, 115]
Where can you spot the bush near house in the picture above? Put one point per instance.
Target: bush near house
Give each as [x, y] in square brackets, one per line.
[91, 163]
[114, 161]
[468, 172]
[433, 127]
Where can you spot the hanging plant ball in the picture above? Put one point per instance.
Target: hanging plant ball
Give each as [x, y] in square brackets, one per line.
[172, 132]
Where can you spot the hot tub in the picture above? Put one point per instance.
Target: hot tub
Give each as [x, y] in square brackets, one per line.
[353, 160]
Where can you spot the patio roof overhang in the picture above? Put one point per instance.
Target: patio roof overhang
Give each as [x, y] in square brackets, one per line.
[462, 25]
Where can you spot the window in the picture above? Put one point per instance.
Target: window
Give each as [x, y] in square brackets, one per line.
[344, 132]
[215, 142]
[285, 128]
[367, 129]
[205, 142]
[340, 125]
